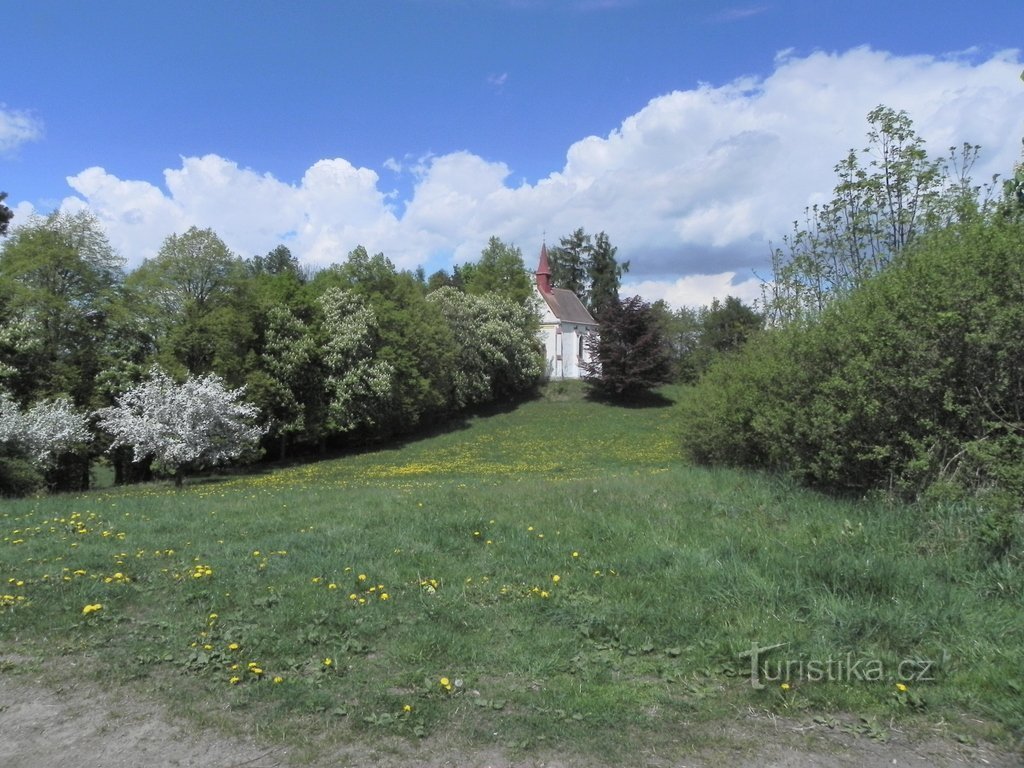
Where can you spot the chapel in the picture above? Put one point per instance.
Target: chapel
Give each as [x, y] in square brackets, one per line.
[565, 325]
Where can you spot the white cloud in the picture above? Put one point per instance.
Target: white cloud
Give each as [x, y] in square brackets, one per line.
[696, 290]
[17, 127]
[697, 183]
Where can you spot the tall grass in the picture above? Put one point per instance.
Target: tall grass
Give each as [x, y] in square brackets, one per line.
[553, 576]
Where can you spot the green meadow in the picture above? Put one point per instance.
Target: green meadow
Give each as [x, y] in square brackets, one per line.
[552, 577]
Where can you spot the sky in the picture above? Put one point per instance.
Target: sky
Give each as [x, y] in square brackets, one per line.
[694, 133]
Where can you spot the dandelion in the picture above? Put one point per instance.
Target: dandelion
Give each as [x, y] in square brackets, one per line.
[901, 687]
[556, 578]
[93, 608]
[383, 595]
[445, 683]
[328, 661]
[232, 646]
[278, 680]
[784, 686]
[575, 554]
[332, 585]
[407, 708]
[362, 577]
[235, 680]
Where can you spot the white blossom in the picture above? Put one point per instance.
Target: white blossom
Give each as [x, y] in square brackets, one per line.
[358, 385]
[47, 429]
[194, 424]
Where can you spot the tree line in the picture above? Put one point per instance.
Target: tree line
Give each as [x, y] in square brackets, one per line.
[354, 353]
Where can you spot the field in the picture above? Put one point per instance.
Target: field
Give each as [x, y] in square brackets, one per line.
[552, 580]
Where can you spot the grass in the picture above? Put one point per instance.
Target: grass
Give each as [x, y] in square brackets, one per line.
[548, 578]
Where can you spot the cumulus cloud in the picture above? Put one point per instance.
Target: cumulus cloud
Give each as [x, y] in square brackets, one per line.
[692, 188]
[17, 127]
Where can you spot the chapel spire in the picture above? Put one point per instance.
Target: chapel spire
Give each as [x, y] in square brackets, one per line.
[544, 271]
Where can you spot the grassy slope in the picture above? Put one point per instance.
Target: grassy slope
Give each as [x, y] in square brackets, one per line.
[665, 575]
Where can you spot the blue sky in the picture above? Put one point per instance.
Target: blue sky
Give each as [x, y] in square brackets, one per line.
[694, 133]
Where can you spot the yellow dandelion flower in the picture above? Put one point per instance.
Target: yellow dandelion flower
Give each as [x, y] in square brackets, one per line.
[556, 578]
[328, 661]
[383, 595]
[362, 577]
[332, 585]
[901, 687]
[235, 680]
[784, 686]
[232, 646]
[278, 679]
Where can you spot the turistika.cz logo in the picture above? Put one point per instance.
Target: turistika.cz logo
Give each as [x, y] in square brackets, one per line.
[845, 669]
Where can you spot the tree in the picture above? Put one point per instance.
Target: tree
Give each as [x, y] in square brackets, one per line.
[6, 214]
[32, 442]
[279, 261]
[875, 213]
[58, 278]
[726, 326]
[496, 338]
[570, 264]
[183, 427]
[501, 271]
[287, 385]
[190, 291]
[358, 383]
[630, 356]
[604, 274]
[43, 432]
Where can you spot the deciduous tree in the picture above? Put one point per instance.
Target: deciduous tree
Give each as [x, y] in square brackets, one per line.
[183, 427]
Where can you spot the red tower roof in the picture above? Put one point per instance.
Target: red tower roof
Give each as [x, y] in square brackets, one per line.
[544, 271]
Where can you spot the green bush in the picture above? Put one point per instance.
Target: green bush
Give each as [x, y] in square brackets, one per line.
[18, 477]
[915, 377]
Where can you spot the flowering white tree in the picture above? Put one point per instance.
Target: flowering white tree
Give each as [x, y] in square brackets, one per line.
[184, 426]
[358, 384]
[44, 431]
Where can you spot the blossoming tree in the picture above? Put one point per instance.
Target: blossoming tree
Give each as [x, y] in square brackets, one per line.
[187, 426]
[44, 431]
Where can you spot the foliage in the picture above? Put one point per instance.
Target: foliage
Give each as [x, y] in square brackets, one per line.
[188, 296]
[605, 274]
[58, 277]
[631, 356]
[498, 356]
[569, 261]
[32, 441]
[500, 271]
[358, 384]
[6, 214]
[876, 212]
[187, 426]
[586, 266]
[913, 378]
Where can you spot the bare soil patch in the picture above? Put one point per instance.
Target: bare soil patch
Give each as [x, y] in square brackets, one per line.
[78, 725]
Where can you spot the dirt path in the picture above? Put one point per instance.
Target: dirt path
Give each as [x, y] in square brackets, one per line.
[80, 726]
